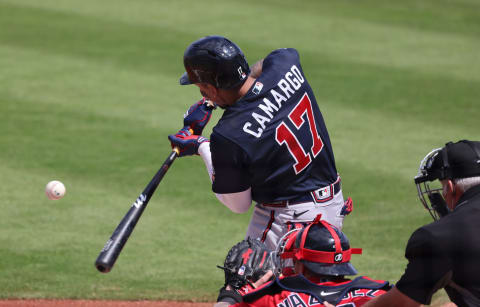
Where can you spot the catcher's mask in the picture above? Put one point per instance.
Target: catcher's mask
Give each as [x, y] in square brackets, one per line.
[321, 247]
[455, 160]
[215, 60]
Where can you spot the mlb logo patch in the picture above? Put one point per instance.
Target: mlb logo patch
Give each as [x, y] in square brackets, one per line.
[323, 194]
[257, 88]
[241, 73]
[241, 270]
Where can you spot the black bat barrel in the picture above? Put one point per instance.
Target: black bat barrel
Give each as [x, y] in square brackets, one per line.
[110, 252]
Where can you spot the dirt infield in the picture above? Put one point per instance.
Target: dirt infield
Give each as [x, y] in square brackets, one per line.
[97, 303]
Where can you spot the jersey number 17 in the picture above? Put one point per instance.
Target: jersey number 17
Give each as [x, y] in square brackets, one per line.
[285, 136]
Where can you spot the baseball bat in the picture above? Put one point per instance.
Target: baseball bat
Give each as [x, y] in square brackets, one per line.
[110, 252]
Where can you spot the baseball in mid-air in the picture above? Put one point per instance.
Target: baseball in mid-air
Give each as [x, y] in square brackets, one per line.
[55, 189]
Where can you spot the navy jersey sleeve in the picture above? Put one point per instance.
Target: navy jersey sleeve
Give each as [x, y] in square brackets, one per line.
[428, 267]
[229, 160]
[284, 55]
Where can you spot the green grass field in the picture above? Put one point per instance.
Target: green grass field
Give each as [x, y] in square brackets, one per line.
[89, 92]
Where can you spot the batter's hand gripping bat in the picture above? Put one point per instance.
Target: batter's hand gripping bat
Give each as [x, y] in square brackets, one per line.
[110, 252]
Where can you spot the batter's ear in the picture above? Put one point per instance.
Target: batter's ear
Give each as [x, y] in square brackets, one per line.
[211, 91]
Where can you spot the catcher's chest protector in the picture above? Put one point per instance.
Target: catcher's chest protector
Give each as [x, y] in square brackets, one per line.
[292, 291]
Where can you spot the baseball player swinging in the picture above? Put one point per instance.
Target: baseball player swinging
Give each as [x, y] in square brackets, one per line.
[271, 145]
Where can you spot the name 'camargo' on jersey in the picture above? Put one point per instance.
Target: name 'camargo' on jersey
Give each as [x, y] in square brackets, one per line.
[289, 85]
[276, 132]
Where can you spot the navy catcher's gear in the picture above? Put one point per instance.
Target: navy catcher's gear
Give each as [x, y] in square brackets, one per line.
[322, 248]
[303, 291]
[215, 60]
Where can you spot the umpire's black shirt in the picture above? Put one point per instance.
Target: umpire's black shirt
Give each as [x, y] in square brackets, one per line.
[446, 254]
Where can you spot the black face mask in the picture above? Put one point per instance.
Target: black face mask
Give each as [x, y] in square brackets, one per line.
[438, 203]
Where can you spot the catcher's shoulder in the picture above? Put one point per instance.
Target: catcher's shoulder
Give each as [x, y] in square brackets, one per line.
[269, 288]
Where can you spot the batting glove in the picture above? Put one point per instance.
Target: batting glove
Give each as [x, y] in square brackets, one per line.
[198, 115]
[186, 142]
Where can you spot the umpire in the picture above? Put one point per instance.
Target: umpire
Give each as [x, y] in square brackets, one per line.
[446, 253]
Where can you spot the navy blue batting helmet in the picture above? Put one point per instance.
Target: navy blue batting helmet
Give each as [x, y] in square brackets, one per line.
[215, 60]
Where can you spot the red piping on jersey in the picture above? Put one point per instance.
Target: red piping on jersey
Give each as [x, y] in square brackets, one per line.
[269, 226]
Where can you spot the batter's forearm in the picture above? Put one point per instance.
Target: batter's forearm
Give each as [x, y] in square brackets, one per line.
[204, 152]
[237, 202]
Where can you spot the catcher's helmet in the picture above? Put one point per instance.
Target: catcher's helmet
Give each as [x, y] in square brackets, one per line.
[322, 248]
[455, 160]
[214, 60]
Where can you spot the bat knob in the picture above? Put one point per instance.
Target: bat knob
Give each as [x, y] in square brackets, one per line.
[102, 265]
[102, 269]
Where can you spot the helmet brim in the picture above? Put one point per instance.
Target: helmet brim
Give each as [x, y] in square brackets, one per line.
[337, 269]
[184, 80]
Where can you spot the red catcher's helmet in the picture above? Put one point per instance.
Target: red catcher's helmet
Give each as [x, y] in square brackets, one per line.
[215, 60]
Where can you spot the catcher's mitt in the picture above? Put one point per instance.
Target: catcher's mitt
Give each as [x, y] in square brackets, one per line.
[246, 262]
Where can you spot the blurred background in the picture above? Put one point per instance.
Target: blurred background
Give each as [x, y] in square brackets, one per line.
[89, 92]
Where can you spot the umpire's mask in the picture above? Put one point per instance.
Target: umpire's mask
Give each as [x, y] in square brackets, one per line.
[454, 161]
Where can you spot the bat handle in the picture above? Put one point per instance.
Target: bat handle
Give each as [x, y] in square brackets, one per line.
[176, 149]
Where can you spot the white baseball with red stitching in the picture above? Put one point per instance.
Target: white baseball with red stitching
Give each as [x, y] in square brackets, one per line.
[55, 190]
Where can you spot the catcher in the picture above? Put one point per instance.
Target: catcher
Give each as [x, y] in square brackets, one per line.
[248, 265]
[321, 258]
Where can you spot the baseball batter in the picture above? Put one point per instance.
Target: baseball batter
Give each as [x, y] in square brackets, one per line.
[271, 145]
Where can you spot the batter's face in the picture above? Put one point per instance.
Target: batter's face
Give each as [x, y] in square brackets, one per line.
[212, 93]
